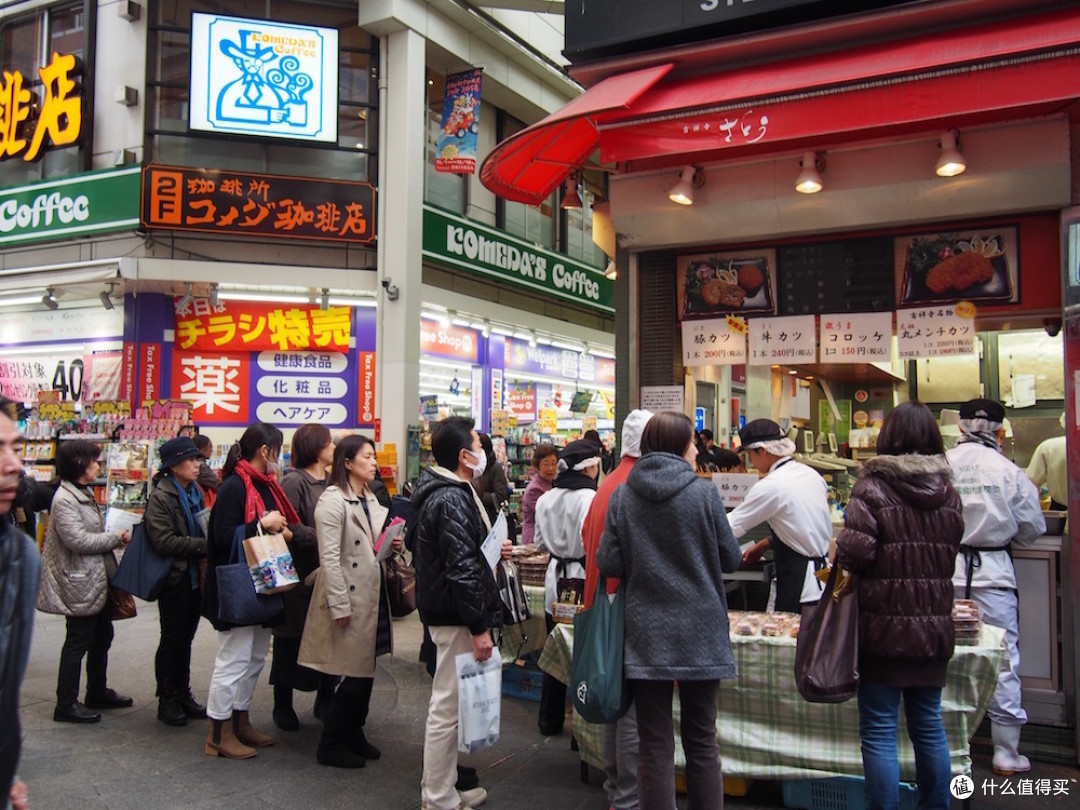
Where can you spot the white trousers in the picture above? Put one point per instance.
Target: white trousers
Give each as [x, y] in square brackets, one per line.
[621, 761]
[239, 662]
[441, 732]
[999, 608]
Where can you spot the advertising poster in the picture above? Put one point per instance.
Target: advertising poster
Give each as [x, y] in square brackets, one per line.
[256, 326]
[455, 151]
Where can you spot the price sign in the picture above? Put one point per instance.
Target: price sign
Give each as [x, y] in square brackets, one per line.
[782, 340]
[733, 487]
[856, 338]
[715, 342]
[549, 420]
[934, 332]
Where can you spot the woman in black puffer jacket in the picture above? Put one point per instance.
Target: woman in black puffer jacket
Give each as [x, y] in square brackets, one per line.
[902, 529]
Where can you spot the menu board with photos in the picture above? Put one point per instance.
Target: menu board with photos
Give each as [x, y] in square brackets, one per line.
[853, 275]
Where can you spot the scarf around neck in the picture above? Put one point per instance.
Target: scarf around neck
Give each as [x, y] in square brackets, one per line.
[253, 502]
[574, 479]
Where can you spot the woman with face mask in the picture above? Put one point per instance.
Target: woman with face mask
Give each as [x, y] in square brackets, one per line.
[250, 498]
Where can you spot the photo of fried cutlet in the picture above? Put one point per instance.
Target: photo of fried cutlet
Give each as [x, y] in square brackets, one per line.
[714, 285]
[949, 267]
[959, 272]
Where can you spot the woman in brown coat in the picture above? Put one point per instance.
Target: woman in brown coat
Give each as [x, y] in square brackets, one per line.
[348, 623]
[902, 529]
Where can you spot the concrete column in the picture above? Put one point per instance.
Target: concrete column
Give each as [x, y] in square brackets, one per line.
[402, 189]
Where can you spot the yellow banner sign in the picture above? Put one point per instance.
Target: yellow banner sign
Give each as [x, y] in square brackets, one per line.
[27, 120]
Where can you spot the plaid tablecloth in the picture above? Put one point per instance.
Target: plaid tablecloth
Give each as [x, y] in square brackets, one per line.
[767, 731]
[530, 635]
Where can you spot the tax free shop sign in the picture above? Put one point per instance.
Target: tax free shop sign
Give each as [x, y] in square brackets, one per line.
[467, 245]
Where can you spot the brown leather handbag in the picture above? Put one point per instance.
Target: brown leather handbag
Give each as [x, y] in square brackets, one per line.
[400, 585]
[121, 604]
[827, 649]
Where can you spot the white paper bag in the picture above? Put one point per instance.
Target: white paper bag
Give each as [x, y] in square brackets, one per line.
[479, 701]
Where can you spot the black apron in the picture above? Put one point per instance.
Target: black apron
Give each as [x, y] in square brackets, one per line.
[790, 570]
[973, 559]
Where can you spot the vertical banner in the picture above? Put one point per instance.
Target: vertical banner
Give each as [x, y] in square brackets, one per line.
[366, 392]
[455, 151]
[148, 385]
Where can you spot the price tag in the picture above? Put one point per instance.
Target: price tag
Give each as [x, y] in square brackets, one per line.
[856, 338]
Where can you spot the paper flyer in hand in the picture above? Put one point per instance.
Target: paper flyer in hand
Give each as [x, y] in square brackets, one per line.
[492, 545]
[118, 520]
[384, 546]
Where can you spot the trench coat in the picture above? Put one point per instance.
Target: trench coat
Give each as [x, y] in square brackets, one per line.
[347, 583]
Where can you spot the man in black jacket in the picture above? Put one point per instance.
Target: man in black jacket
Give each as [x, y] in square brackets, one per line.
[456, 595]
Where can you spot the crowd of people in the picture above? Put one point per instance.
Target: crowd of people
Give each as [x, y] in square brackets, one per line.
[922, 527]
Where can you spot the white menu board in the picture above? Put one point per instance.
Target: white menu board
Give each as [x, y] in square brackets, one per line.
[663, 398]
[734, 486]
[864, 337]
[789, 340]
[936, 331]
[715, 342]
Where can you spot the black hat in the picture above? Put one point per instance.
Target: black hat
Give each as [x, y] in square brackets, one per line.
[760, 430]
[983, 409]
[176, 450]
[578, 451]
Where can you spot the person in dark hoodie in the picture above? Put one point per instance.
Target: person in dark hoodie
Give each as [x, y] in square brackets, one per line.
[902, 531]
[456, 595]
[667, 537]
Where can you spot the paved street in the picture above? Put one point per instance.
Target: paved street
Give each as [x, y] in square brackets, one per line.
[131, 761]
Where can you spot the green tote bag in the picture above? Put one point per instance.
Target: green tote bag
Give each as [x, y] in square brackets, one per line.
[600, 691]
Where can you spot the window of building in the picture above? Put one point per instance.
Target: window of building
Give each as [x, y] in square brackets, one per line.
[449, 191]
[536, 223]
[169, 140]
[578, 224]
[27, 43]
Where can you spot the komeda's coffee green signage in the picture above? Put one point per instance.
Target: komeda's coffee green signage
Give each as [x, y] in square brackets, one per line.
[82, 205]
[468, 245]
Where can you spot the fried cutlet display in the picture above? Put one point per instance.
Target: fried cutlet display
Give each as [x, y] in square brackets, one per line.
[959, 272]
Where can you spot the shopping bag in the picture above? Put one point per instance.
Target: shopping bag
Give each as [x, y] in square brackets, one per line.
[142, 570]
[827, 649]
[400, 585]
[600, 692]
[238, 603]
[270, 563]
[479, 701]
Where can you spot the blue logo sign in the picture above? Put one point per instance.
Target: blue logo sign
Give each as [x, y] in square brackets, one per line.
[699, 419]
[254, 77]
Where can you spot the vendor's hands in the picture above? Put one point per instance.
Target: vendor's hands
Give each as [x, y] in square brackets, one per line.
[507, 549]
[753, 554]
[273, 522]
[343, 621]
[482, 646]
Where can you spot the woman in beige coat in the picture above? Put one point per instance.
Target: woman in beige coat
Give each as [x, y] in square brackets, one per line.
[77, 564]
[348, 623]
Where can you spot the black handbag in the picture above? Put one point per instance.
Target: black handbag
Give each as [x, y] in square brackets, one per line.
[827, 649]
[238, 603]
[400, 585]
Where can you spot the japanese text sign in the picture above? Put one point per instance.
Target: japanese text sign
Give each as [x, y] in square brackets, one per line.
[733, 487]
[218, 201]
[864, 337]
[216, 385]
[258, 77]
[788, 340]
[715, 342]
[936, 331]
[254, 326]
[294, 388]
[455, 150]
[29, 123]
[663, 398]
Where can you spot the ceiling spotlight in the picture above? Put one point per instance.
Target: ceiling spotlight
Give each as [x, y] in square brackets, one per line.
[444, 320]
[612, 272]
[950, 163]
[486, 331]
[106, 301]
[324, 301]
[809, 179]
[185, 299]
[585, 352]
[49, 299]
[571, 198]
[532, 339]
[214, 296]
[683, 192]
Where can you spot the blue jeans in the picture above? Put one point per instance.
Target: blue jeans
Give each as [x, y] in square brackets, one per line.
[879, 709]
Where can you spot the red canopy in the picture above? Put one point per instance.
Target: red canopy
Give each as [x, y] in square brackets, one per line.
[984, 73]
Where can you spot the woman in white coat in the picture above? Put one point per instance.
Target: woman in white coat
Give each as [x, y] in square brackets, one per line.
[348, 622]
[560, 515]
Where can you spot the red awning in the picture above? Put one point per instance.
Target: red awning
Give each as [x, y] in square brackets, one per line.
[984, 73]
[528, 166]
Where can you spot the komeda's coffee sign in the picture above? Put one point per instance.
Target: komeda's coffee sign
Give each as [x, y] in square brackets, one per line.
[33, 121]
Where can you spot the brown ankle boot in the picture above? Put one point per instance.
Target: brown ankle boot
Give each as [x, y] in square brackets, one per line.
[246, 733]
[222, 742]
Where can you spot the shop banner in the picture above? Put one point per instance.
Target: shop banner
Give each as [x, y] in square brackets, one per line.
[23, 377]
[476, 394]
[605, 371]
[521, 401]
[790, 340]
[546, 360]
[85, 204]
[451, 342]
[249, 326]
[857, 338]
[295, 388]
[225, 202]
[52, 326]
[104, 380]
[366, 390]
[455, 150]
[941, 331]
[496, 389]
[467, 245]
[149, 379]
[715, 342]
[43, 111]
[216, 385]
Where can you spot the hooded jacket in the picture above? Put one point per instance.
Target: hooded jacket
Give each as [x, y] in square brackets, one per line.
[168, 532]
[902, 529]
[454, 584]
[667, 537]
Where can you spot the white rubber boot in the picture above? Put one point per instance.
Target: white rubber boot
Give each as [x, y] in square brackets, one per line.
[1007, 757]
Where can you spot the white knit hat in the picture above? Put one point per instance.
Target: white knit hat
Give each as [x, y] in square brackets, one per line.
[632, 428]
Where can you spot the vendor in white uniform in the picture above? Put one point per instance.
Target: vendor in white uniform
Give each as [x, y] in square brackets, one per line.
[1001, 510]
[1050, 465]
[793, 499]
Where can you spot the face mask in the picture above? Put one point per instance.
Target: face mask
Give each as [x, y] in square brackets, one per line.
[480, 466]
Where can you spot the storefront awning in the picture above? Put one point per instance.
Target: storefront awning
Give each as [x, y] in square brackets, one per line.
[985, 73]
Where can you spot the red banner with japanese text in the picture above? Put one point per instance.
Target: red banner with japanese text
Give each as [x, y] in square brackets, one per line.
[366, 392]
[254, 326]
[215, 384]
[148, 382]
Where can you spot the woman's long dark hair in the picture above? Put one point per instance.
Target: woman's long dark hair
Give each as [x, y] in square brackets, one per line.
[910, 428]
[346, 450]
[257, 434]
[667, 432]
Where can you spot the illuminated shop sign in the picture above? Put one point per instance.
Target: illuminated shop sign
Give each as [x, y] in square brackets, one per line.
[255, 77]
[32, 121]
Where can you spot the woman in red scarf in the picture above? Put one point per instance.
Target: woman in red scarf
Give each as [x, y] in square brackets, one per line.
[250, 496]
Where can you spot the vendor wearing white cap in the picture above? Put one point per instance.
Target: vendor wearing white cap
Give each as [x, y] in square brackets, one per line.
[1001, 510]
[793, 499]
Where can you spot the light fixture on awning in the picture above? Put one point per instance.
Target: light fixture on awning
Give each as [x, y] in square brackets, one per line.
[809, 179]
[683, 191]
[612, 272]
[950, 163]
[185, 299]
[214, 296]
[49, 299]
[106, 297]
[571, 198]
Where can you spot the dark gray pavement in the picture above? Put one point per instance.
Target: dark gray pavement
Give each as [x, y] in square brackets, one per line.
[130, 761]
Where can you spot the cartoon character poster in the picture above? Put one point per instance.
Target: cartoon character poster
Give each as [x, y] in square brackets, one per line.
[256, 77]
[455, 151]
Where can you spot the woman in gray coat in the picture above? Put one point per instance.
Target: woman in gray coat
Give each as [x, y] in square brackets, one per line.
[77, 564]
[667, 537]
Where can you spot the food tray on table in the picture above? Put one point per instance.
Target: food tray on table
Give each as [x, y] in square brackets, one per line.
[532, 567]
[967, 621]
